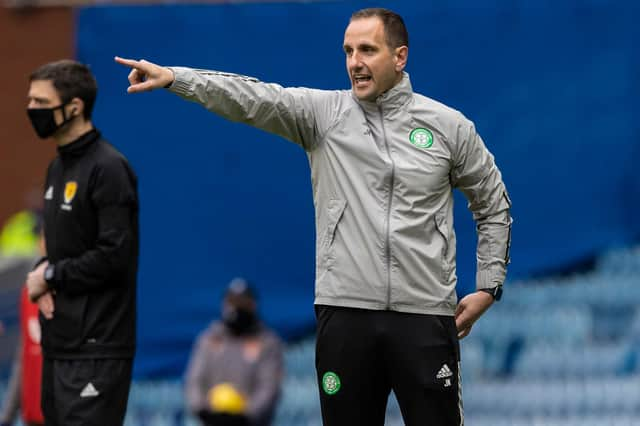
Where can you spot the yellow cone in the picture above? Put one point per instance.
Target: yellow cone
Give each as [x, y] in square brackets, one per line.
[224, 398]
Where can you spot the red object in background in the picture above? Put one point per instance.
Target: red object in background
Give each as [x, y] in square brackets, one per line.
[31, 360]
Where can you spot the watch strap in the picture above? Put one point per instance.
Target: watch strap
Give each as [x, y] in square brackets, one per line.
[496, 292]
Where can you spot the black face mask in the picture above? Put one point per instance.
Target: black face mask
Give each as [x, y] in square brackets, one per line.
[44, 122]
[240, 321]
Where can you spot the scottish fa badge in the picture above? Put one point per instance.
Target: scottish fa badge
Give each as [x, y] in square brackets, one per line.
[70, 191]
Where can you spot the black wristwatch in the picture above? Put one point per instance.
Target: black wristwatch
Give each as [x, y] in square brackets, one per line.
[49, 273]
[496, 292]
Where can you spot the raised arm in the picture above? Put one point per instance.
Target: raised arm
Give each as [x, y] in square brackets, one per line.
[298, 114]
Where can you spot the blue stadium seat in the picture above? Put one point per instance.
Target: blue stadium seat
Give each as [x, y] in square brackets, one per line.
[558, 360]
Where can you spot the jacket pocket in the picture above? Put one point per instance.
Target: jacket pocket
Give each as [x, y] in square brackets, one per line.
[443, 229]
[69, 320]
[335, 210]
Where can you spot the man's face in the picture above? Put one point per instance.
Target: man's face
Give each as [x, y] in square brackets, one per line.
[42, 94]
[373, 67]
[235, 302]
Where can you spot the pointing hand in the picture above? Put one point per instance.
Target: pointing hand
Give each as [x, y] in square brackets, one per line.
[145, 75]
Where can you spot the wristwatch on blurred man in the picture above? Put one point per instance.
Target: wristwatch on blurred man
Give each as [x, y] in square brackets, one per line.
[496, 292]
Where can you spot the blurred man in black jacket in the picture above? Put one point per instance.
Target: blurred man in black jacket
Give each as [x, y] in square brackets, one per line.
[86, 288]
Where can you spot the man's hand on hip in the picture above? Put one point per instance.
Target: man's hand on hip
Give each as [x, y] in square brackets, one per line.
[469, 309]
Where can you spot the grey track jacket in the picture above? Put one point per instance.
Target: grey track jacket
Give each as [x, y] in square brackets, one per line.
[382, 175]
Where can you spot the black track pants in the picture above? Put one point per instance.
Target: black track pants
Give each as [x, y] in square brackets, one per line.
[86, 392]
[361, 355]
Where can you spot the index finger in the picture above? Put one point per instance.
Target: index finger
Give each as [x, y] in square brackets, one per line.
[128, 62]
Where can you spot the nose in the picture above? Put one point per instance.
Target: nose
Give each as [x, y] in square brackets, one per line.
[32, 104]
[354, 62]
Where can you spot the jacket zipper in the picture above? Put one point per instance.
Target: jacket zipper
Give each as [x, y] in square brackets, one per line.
[388, 224]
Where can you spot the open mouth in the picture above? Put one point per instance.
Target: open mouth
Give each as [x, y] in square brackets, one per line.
[360, 79]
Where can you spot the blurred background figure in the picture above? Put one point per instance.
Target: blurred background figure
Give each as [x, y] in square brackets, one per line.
[19, 237]
[235, 372]
[23, 392]
[19, 234]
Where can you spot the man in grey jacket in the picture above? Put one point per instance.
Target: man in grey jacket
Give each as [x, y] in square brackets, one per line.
[384, 161]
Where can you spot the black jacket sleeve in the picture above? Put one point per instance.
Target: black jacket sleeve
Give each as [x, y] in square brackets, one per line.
[114, 198]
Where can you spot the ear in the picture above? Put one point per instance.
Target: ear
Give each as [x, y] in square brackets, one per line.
[76, 107]
[401, 54]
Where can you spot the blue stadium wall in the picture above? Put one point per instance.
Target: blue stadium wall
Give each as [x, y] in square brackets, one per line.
[552, 87]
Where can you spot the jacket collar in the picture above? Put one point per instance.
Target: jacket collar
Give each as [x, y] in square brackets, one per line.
[80, 145]
[395, 97]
